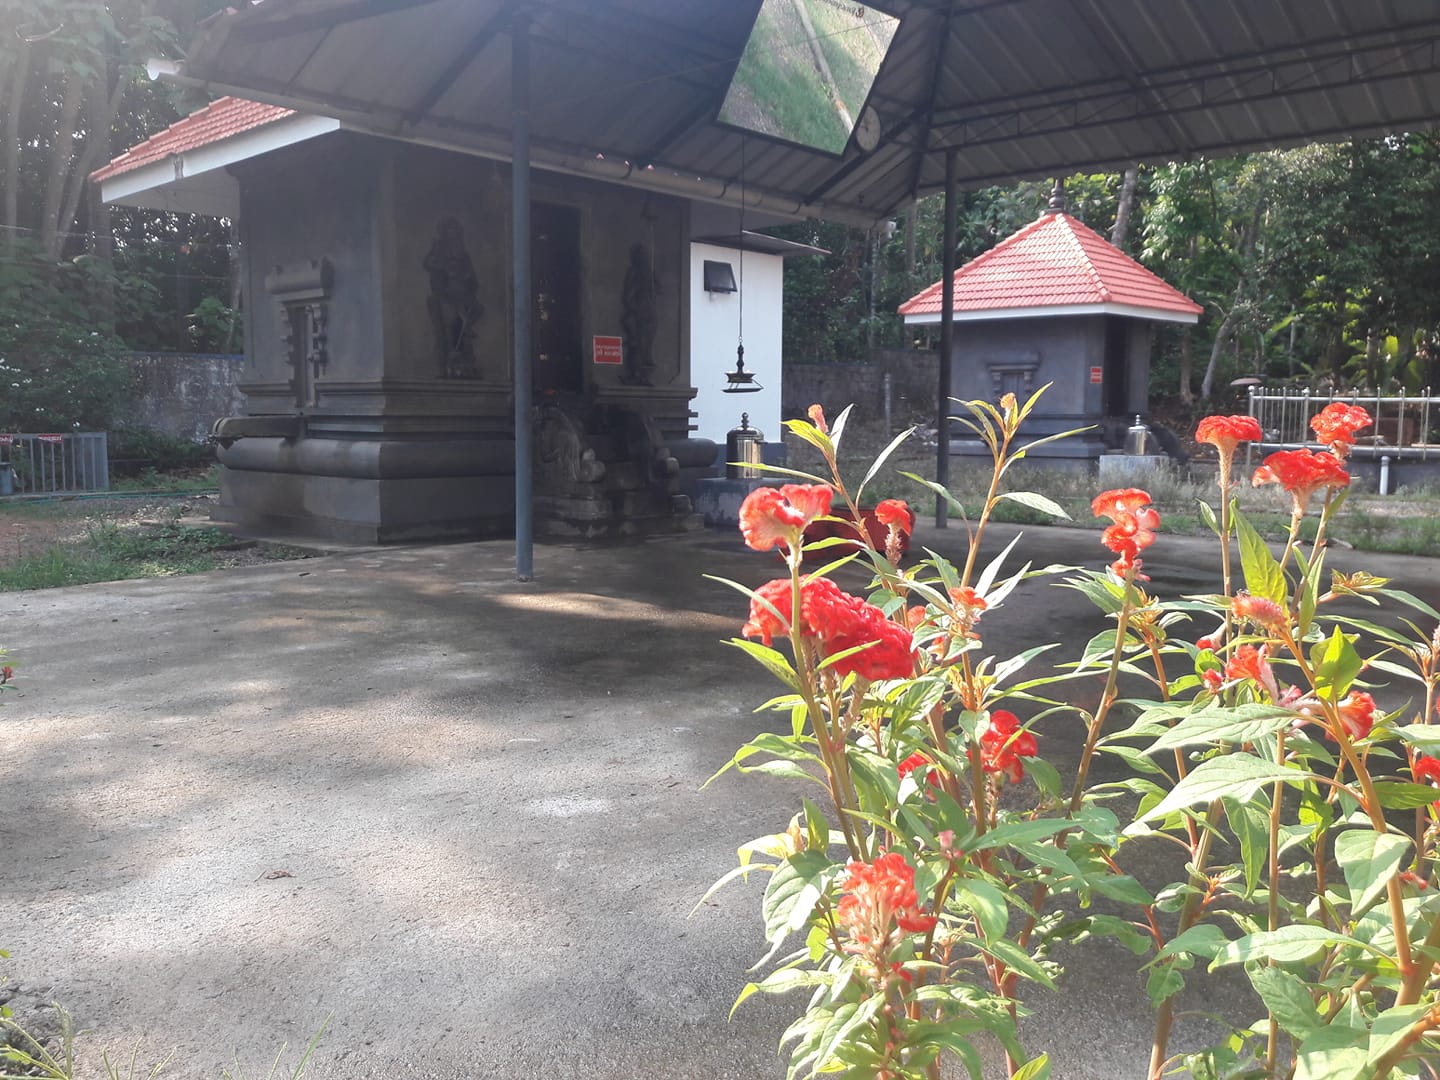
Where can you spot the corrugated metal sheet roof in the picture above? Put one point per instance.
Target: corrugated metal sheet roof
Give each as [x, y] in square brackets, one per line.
[1020, 88]
[1055, 261]
[219, 120]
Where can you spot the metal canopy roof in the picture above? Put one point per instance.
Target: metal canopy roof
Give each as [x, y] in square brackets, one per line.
[1022, 88]
[974, 91]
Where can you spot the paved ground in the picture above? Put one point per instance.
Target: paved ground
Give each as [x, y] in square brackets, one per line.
[460, 814]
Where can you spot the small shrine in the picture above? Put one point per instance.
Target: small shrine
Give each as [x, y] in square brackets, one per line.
[1055, 303]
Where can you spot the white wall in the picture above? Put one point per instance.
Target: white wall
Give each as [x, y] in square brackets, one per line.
[714, 319]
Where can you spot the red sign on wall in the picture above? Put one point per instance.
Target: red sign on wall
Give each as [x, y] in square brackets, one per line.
[609, 350]
[1097, 375]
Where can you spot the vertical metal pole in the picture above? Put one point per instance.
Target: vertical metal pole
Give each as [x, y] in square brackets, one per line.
[947, 341]
[520, 285]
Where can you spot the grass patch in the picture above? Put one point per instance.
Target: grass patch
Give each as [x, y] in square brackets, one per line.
[194, 481]
[110, 552]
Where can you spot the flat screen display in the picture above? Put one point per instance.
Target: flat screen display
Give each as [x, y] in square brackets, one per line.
[807, 69]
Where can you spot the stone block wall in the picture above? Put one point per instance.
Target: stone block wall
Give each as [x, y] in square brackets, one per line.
[913, 380]
[185, 393]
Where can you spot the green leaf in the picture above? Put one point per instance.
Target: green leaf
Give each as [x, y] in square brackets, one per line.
[794, 889]
[879, 461]
[1209, 727]
[1164, 983]
[1286, 998]
[1204, 940]
[1251, 826]
[1126, 932]
[1424, 737]
[988, 904]
[1238, 776]
[1035, 1069]
[779, 982]
[1207, 515]
[771, 660]
[1336, 665]
[1288, 945]
[1369, 860]
[1335, 1052]
[1391, 1028]
[1398, 795]
[1035, 501]
[1263, 576]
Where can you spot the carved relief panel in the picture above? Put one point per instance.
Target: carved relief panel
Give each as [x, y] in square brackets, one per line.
[301, 293]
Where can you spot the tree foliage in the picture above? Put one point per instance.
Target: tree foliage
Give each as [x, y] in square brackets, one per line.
[1321, 262]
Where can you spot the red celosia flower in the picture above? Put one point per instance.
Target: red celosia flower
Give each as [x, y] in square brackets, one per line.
[1227, 432]
[775, 517]
[1250, 663]
[839, 622]
[1336, 425]
[1302, 473]
[1258, 609]
[894, 514]
[889, 653]
[1426, 770]
[879, 896]
[817, 417]
[1003, 743]
[913, 762]
[6, 673]
[1135, 522]
[1213, 679]
[1357, 713]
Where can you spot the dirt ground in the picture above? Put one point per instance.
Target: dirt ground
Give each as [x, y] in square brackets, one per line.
[31, 527]
[458, 815]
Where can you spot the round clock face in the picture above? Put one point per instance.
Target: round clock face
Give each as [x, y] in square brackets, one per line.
[867, 130]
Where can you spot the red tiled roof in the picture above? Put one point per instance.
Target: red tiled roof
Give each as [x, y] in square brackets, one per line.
[1054, 261]
[219, 120]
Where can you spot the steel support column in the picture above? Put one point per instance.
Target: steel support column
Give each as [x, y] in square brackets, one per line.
[947, 341]
[520, 286]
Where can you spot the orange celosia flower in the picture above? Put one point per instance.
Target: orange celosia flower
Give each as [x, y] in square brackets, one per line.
[879, 896]
[1227, 432]
[1302, 473]
[817, 417]
[1003, 743]
[1336, 425]
[775, 517]
[894, 514]
[1133, 531]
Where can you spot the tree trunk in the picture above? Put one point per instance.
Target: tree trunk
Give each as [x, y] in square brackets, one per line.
[52, 229]
[1222, 337]
[237, 288]
[10, 180]
[1126, 206]
[1187, 365]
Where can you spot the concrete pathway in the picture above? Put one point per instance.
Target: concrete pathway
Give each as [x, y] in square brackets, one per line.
[460, 814]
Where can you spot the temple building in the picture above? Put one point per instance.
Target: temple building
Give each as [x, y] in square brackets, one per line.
[1056, 304]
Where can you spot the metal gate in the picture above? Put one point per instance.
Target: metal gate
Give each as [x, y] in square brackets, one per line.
[40, 464]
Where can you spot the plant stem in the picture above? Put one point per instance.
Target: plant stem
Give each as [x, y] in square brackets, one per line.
[1165, 1015]
[1272, 1041]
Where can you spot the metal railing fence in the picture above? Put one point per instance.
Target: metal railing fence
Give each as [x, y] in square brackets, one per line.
[75, 461]
[1404, 423]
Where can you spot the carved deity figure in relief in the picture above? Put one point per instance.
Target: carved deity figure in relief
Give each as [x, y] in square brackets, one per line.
[454, 304]
[639, 315]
